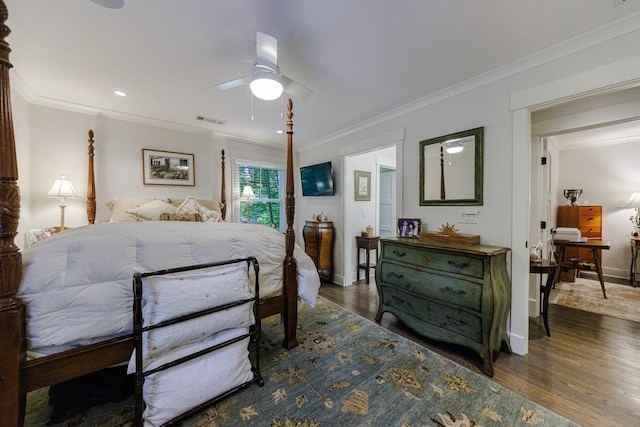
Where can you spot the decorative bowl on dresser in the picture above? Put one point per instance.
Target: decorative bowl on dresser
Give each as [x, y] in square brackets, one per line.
[454, 293]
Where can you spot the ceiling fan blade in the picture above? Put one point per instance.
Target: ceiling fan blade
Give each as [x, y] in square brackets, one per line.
[296, 89]
[267, 48]
[111, 4]
[234, 83]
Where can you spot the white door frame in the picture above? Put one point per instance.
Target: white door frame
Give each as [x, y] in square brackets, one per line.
[608, 78]
[379, 168]
[395, 138]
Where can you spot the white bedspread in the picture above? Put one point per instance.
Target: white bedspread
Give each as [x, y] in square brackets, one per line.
[77, 285]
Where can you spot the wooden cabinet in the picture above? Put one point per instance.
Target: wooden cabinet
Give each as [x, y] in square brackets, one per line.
[589, 220]
[318, 244]
[453, 293]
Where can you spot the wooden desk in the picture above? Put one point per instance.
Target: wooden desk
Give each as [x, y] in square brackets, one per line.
[633, 270]
[368, 244]
[544, 266]
[594, 245]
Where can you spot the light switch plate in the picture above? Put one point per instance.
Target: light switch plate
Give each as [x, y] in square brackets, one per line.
[468, 216]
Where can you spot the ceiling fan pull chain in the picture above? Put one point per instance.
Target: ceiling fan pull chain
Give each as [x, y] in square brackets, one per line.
[251, 96]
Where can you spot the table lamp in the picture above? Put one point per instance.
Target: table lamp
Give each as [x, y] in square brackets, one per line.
[62, 188]
[634, 202]
[247, 193]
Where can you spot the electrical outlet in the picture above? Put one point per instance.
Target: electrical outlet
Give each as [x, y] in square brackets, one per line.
[468, 216]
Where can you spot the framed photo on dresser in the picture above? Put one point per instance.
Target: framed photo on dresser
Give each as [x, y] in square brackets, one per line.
[409, 227]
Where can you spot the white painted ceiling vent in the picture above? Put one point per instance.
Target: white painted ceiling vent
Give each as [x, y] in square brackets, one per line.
[211, 120]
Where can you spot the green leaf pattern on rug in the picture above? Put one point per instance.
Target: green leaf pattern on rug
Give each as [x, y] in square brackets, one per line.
[531, 416]
[458, 384]
[293, 422]
[278, 395]
[247, 413]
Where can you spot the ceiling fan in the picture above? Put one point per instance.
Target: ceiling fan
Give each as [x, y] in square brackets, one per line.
[265, 81]
[111, 4]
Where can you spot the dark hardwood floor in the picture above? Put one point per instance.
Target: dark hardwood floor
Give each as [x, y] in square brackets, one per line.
[587, 371]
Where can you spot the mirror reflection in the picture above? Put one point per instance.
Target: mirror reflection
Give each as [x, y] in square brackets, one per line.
[451, 169]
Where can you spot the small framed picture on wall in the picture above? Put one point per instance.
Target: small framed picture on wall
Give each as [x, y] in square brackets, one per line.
[362, 186]
[409, 227]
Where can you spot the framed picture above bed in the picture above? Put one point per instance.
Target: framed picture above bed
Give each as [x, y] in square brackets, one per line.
[167, 168]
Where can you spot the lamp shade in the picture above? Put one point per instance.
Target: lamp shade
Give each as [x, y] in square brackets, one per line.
[247, 192]
[633, 201]
[62, 188]
[265, 82]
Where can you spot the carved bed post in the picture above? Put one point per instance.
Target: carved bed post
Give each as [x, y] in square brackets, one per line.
[91, 184]
[290, 266]
[223, 190]
[12, 342]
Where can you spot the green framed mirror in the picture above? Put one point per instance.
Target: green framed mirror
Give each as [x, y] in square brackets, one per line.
[451, 169]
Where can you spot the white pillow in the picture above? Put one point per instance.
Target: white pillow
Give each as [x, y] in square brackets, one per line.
[170, 393]
[170, 296]
[190, 206]
[151, 211]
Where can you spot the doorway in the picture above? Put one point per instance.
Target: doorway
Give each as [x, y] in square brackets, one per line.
[605, 79]
[386, 201]
[368, 156]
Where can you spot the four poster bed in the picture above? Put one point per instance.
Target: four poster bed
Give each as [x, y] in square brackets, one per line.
[21, 282]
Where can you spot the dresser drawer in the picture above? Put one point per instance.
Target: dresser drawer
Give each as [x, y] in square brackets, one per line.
[453, 290]
[430, 258]
[451, 319]
[590, 231]
[585, 211]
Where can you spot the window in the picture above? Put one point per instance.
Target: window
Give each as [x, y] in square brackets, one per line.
[266, 206]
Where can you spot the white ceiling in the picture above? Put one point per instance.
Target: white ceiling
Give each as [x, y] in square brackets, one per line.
[362, 58]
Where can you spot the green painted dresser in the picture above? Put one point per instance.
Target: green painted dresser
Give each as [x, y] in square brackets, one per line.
[453, 293]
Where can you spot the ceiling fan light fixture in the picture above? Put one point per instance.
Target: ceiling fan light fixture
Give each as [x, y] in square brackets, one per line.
[111, 4]
[454, 145]
[265, 83]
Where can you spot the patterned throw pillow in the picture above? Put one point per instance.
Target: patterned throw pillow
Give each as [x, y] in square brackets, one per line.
[180, 217]
[191, 206]
[151, 211]
[119, 207]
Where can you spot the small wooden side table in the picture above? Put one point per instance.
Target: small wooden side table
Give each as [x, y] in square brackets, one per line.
[544, 266]
[633, 270]
[368, 244]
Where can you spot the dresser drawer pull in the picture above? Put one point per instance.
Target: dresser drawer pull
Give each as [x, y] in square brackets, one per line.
[458, 264]
[399, 254]
[395, 275]
[453, 291]
[455, 321]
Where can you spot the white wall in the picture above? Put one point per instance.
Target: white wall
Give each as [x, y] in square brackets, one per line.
[53, 142]
[476, 104]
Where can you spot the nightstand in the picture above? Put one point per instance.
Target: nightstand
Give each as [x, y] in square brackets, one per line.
[633, 270]
[367, 244]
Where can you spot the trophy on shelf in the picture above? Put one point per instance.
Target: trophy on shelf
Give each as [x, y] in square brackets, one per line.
[572, 196]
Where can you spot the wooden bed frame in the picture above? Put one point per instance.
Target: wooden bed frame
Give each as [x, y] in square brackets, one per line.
[19, 376]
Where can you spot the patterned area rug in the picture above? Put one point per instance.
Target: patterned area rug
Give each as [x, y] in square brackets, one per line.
[347, 371]
[623, 301]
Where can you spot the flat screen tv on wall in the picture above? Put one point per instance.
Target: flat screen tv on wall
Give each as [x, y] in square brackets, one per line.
[317, 180]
